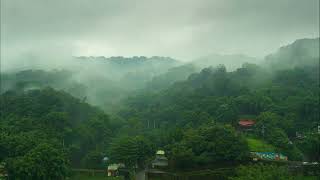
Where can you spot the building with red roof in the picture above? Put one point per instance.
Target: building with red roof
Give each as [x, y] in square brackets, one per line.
[246, 124]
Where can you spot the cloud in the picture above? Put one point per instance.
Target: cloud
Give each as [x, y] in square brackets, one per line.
[183, 29]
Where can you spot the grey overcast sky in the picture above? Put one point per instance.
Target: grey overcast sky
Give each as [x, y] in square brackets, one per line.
[182, 29]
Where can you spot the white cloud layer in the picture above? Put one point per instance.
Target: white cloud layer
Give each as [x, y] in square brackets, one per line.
[183, 29]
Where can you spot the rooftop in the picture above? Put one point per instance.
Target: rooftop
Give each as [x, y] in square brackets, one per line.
[246, 122]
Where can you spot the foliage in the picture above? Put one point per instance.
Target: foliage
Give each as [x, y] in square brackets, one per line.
[192, 116]
[208, 145]
[261, 172]
[37, 122]
[214, 95]
[277, 136]
[131, 150]
[310, 146]
[42, 162]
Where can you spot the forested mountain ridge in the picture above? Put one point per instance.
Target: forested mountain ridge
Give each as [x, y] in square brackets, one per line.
[285, 100]
[190, 113]
[231, 61]
[135, 60]
[123, 67]
[121, 76]
[99, 80]
[215, 83]
[302, 52]
[187, 107]
[160, 90]
[248, 80]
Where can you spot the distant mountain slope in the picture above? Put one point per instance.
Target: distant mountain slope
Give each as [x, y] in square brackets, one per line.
[285, 101]
[130, 60]
[181, 73]
[231, 61]
[99, 80]
[251, 89]
[302, 52]
[173, 75]
[121, 66]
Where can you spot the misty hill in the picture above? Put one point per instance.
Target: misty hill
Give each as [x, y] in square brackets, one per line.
[175, 74]
[297, 70]
[93, 88]
[99, 80]
[231, 61]
[302, 52]
[34, 79]
[192, 114]
[182, 72]
[286, 102]
[122, 67]
[107, 81]
[135, 60]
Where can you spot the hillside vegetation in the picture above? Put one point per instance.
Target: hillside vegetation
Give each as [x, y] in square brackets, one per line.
[52, 121]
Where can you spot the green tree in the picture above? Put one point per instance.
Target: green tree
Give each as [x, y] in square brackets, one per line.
[223, 143]
[182, 156]
[261, 172]
[42, 162]
[93, 160]
[226, 113]
[275, 135]
[207, 145]
[131, 150]
[310, 146]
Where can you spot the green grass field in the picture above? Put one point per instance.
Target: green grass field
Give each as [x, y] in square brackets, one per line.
[259, 145]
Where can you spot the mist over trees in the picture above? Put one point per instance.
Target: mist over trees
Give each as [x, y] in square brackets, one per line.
[127, 108]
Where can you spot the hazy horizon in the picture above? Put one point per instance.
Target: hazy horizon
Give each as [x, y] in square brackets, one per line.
[183, 30]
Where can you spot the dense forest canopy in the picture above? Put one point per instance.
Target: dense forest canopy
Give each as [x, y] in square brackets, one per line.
[159, 90]
[60, 119]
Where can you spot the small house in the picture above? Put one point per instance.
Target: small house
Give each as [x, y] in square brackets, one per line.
[246, 124]
[113, 169]
[161, 160]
